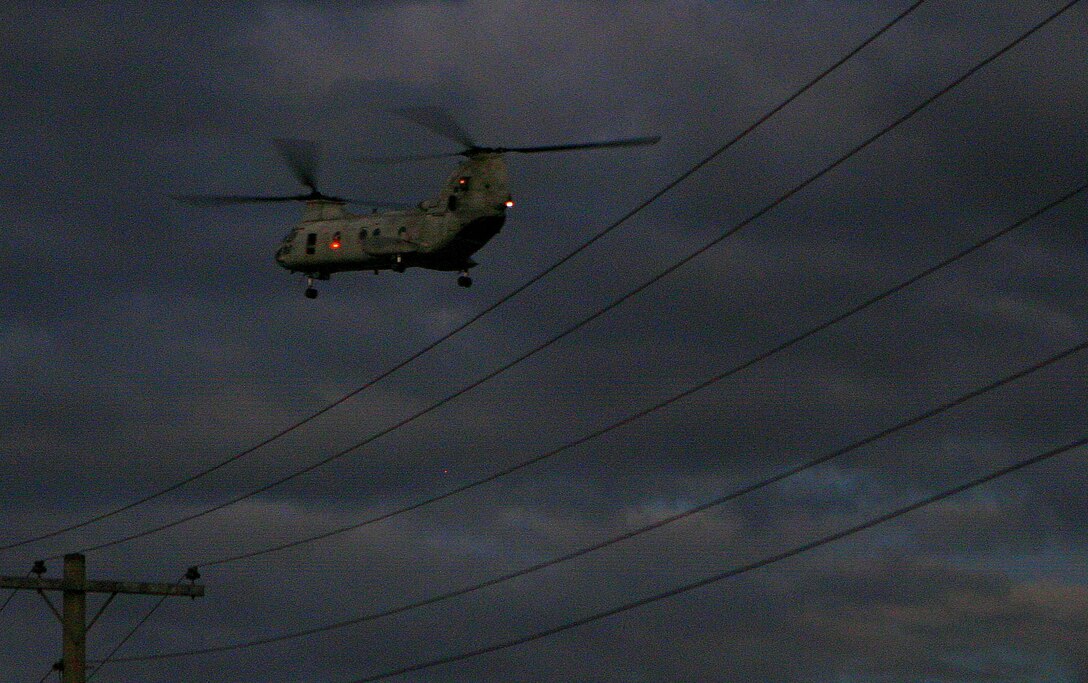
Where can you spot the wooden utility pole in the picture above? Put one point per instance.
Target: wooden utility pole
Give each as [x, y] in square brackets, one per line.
[73, 613]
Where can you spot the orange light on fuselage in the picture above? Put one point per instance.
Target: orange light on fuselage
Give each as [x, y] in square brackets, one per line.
[509, 203]
[335, 244]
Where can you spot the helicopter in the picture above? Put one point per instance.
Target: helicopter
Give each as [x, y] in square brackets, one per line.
[440, 234]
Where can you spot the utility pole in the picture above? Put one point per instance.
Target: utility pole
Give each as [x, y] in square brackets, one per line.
[73, 613]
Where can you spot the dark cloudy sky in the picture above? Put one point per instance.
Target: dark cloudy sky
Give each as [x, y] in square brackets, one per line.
[142, 340]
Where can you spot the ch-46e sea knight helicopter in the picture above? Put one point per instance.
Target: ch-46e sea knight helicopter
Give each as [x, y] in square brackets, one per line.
[440, 234]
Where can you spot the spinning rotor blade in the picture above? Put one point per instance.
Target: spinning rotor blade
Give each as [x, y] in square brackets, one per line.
[223, 199]
[439, 121]
[623, 142]
[403, 159]
[382, 204]
[226, 199]
[302, 156]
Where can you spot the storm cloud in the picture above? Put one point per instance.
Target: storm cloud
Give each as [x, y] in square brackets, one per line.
[142, 340]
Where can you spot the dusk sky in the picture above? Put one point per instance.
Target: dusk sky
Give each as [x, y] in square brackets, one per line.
[143, 341]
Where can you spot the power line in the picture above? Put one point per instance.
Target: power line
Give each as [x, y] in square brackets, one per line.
[736, 571]
[502, 300]
[7, 600]
[733, 495]
[75, 586]
[49, 673]
[132, 632]
[614, 303]
[11, 595]
[789, 343]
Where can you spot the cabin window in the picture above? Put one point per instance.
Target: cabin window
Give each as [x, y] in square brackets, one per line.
[377, 232]
[362, 234]
[311, 242]
[401, 230]
[452, 203]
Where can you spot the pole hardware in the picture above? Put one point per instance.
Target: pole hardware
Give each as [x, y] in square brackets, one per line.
[73, 613]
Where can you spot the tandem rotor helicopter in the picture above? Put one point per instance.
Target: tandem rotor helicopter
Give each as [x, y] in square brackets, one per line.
[438, 234]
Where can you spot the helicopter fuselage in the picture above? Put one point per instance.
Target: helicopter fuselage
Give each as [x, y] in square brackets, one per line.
[440, 234]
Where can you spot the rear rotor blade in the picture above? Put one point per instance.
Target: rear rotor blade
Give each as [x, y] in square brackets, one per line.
[623, 142]
[227, 199]
[439, 121]
[381, 204]
[407, 158]
[302, 156]
[223, 199]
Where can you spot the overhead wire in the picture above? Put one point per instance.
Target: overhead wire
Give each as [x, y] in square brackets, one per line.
[106, 660]
[1061, 355]
[11, 595]
[48, 674]
[7, 600]
[739, 570]
[632, 533]
[687, 587]
[611, 305]
[765, 562]
[484, 312]
[629, 419]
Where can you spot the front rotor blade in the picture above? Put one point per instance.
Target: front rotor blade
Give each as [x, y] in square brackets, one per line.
[302, 156]
[623, 142]
[223, 199]
[439, 121]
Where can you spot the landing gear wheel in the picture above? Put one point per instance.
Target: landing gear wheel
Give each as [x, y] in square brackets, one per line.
[311, 293]
[464, 281]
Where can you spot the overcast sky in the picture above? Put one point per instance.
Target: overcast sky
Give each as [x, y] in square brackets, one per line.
[142, 340]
